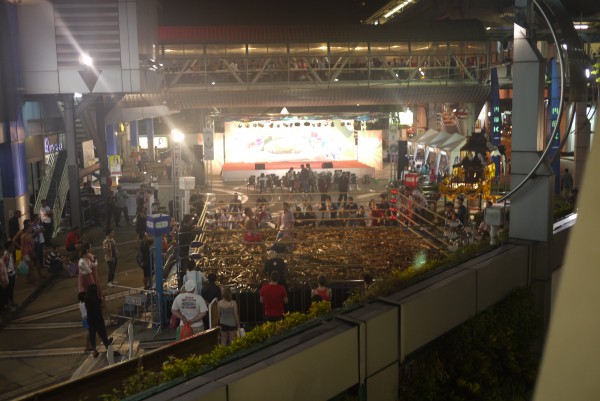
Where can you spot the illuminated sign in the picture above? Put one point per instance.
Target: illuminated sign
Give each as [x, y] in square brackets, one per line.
[161, 142]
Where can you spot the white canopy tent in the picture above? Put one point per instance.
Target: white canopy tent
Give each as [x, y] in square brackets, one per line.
[434, 143]
[451, 148]
[419, 142]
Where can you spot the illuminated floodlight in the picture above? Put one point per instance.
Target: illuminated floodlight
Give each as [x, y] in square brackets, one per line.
[587, 72]
[86, 60]
[177, 135]
[581, 26]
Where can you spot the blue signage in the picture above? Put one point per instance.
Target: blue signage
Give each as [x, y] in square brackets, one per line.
[495, 117]
[553, 107]
[158, 224]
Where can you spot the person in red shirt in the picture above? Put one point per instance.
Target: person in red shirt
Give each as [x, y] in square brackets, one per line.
[274, 297]
[73, 241]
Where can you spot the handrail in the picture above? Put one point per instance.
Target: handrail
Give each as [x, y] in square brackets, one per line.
[45, 184]
[60, 200]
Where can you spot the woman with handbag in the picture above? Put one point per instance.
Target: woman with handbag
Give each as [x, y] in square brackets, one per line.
[229, 319]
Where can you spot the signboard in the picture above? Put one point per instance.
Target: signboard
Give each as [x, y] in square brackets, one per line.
[160, 142]
[554, 106]
[158, 224]
[114, 165]
[134, 300]
[495, 117]
[209, 144]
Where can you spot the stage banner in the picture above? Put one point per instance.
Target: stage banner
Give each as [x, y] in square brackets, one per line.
[209, 144]
[552, 117]
[114, 165]
[495, 117]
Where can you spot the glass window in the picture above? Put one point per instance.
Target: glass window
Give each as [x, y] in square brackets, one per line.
[298, 48]
[255, 50]
[236, 50]
[338, 48]
[194, 50]
[279, 49]
[399, 48]
[317, 49]
[215, 50]
[173, 50]
[380, 48]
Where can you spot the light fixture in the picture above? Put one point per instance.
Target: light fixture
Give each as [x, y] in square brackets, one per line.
[177, 135]
[86, 60]
[487, 28]
[284, 111]
[581, 26]
[213, 83]
[587, 72]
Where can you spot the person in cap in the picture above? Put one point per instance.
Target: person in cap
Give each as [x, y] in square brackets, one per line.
[190, 307]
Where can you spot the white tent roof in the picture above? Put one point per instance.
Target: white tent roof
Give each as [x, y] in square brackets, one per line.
[439, 139]
[454, 141]
[425, 137]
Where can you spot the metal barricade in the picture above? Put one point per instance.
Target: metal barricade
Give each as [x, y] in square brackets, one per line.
[133, 304]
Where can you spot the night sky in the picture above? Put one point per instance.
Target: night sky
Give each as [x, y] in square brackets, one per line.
[263, 12]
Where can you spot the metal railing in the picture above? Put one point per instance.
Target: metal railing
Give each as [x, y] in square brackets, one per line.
[46, 181]
[134, 304]
[60, 200]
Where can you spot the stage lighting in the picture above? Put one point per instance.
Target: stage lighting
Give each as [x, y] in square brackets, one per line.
[318, 124]
[332, 124]
[247, 125]
[297, 124]
[307, 124]
[271, 125]
[240, 125]
[254, 125]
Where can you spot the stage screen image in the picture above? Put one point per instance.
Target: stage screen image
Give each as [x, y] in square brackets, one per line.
[251, 142]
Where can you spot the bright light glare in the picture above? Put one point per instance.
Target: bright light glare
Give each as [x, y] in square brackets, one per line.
[581, 26]
[85, 59]
[177, 135]
[587, 72]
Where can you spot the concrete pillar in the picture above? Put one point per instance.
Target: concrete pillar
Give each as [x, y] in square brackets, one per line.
[582, 142]
[133, 134]
[150, 136]
[13, 166]
[527, 140]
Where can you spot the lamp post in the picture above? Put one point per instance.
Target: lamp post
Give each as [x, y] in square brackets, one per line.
[177, 138]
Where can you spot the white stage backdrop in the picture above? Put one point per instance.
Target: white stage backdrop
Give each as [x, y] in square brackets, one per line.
[284, 141]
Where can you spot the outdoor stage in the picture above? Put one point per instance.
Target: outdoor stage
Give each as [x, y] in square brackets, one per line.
[241, 171]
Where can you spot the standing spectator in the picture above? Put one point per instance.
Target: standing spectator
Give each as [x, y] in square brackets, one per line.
[110, 255]
[121, 206]
[37, 233]
[211, 290]
[276, 263]
[328, 213]
[344, 187]
[286, 222]
[28, 249]
[190, 307]
[169, 166]
[323, 183]
[13, 224]
[186, 236]
[145, 243]
[462, 213]
[9, 262]
[229, 319]
[351, 209]
[274, 298]
[88, 273]
[93, 306]
[566, 184]
[304, 178]
[46, 214]
[140, 221]
[194, 275]
[3, 284]
[322, 290]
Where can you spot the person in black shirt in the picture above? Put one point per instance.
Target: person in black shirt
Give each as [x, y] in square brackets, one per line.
[211, 290]
[275, 263]
[13, 224]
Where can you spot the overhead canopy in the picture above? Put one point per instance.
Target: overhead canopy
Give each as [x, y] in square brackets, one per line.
[439, 139]
[453, 142]
[425, 137]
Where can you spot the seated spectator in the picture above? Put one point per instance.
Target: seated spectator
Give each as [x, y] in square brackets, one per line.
[54, 261]
[322, 290]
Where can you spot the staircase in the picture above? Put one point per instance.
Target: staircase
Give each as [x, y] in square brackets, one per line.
[54, 187]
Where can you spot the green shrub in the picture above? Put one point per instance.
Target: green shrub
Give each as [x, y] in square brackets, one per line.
[488, 358]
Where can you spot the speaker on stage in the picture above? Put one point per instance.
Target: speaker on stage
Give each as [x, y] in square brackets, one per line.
[198, 166]
[259, 166]
[327, 165]
[402, 157]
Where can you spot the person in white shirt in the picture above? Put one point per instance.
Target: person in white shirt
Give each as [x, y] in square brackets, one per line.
[190, 307]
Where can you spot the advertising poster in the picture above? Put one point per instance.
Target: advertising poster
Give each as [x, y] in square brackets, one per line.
[114, 165]
[209, 144]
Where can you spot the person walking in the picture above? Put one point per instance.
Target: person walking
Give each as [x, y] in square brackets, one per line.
[121, 206]
[229, 319]
[110, 255]
[274, 298]
[93, 306]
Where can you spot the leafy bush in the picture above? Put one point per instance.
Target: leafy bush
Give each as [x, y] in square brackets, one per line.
[179, 368]
[489, 358]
